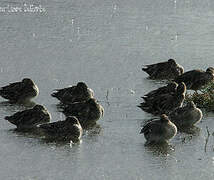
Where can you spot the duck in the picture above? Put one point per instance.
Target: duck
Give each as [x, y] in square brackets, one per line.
[165, 103]
[87, 112]
[169, 88]
[164, 70]
[77, 93]
[159, 131]
[29, 118]
[186, 116]
[20, 92]
[196, 79]
[66, 130]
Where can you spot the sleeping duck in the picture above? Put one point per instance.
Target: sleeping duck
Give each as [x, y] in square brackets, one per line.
[186, 116]
[164, 70]
[165, 103]
[159, 131]
[72, 94]
[29, 118]
[87, 112]
[170, 88]
[196, 79]
[20, 92]
[67, 130]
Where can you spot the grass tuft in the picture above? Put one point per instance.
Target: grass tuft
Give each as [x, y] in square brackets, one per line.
[204, 99]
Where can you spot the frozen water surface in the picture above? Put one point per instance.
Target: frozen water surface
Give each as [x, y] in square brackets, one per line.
[105, 44]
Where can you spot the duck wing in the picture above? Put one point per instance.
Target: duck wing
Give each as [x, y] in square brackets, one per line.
[53, 128]
[12, 91]
[22, 117]
[164, 103]
[62, 93]
[79, 109]
[189, 78]
[61, 130]
[152, 127]
[154, 69]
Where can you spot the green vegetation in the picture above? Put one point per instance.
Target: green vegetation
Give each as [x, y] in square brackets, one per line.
[204, 99]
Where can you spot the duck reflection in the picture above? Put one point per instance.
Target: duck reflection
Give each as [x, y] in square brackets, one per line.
[11, 107]
[193, 130]
[189, 134]
[92, 130]
[163, 148]
[29, 133]
[36, 135]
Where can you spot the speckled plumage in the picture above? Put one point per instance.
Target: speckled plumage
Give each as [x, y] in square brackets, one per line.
[29, 118]
[72, 94]
[67, 130]
[186, 116]
[164, 70]
[170, 88]
[87, 112]
[165, 103]
[159, 131]
[19, 92]
[196, 79]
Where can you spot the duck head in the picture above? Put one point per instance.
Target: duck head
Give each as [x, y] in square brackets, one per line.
[181, 89]
[210, 70]
[172, 61]
[191, 105]
[92, 102]
[72, 120]
[82, 85]
[39, 107]
[172, 86]
[28, 81]
[164, 118]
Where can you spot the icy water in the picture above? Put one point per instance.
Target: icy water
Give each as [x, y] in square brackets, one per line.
[105, 44]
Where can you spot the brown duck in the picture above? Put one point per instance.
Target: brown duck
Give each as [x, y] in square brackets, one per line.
[67, 130]
[186, 116]
[72, 94]
[87, 112]
[159, 131]
[20, 92]
[165, 103]
[164, 70]
[169, 88]
[196, 79]
[30, 118]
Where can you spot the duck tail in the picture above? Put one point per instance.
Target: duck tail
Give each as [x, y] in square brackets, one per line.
[1, 91]
[149, 70]
[56, 93]
[144, 104]
[8, 118]
[145, 98]
[145, 68]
